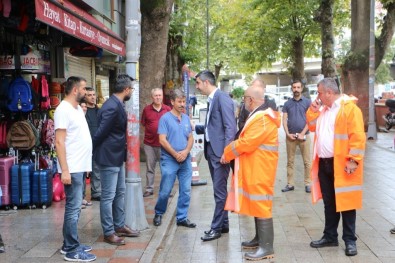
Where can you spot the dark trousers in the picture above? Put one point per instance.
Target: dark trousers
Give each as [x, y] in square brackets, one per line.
[219, 174]
[326, 177]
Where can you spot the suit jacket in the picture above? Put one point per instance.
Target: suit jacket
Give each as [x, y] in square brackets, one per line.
[109, 141]
[221, 126]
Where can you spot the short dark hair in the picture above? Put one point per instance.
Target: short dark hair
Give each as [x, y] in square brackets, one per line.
[206, 75]
[176, 93]
[89, 89]
[72, 82]
[122, 82]
[297, 81]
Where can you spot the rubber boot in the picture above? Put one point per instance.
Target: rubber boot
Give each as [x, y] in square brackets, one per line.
[2, 248]
[254, 243]
[266, 237]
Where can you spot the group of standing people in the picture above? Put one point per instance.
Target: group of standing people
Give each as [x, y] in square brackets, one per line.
[74, 147]
[336, 172]
[251, 153]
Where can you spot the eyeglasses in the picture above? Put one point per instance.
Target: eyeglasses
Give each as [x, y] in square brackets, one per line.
[244, 97]
[131, 88]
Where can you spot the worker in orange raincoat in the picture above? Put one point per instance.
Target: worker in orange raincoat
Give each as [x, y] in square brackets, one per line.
[256, 157]
[337, 169]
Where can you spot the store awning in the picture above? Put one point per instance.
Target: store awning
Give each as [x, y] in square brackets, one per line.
[78, 23]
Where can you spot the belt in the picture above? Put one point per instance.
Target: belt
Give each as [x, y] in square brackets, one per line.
[327, 160]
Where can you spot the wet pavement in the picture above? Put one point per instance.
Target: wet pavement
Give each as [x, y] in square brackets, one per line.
[35, 235]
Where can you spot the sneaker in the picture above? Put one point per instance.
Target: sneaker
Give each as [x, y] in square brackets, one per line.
[287, 188]
[80, 256]
[85, 248]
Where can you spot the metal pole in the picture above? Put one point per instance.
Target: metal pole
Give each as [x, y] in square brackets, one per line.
[207, 36]
[372, 130]
[134, 203]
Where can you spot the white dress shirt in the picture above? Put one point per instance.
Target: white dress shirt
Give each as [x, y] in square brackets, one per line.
[326, 130]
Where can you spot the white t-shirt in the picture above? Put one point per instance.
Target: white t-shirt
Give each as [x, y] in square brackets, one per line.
[78, 138]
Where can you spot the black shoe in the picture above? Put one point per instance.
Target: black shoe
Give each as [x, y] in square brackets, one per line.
[157, 220]
[147, 193]
[323, 242]
[211, 235]
[288, 188]
[351, 250]
[186, 223]
[224, 230]
[307, 188]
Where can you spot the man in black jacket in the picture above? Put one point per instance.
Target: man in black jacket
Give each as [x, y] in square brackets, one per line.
[109, 152]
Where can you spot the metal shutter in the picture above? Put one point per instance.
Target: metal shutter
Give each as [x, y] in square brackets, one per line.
[82, 67]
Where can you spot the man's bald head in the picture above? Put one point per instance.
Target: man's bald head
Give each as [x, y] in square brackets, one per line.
[254, 96]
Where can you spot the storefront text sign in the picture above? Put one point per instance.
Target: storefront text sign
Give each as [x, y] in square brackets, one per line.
[7, 62]
[78, 23]
[30, 61]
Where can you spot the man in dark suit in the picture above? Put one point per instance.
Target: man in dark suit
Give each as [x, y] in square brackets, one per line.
[109, 143]
[219, 130]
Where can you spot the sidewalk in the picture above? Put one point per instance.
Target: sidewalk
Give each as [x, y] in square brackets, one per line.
[296, 220]
[36, 235]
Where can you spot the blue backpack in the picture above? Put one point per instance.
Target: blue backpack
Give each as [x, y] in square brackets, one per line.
[19, 96]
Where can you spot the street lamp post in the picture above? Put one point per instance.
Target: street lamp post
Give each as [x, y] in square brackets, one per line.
[207, 36]
[372, 131]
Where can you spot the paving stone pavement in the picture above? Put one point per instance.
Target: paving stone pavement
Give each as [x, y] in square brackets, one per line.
[35, 235]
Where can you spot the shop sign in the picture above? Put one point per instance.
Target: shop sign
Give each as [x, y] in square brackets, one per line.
[7, 62]
[30, 61]
[78, 23]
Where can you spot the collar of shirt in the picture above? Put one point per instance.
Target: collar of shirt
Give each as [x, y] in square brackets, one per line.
[211, 96]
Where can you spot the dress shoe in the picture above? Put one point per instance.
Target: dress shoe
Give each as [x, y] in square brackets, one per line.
[211, 235]
[392, 230]
[147, 193]
[186, 223]
[307, 188]
[224, 230]
[323, 242]
[114, 240]
[157, 220]
[351, 250]
[126, 231]
[288, 188]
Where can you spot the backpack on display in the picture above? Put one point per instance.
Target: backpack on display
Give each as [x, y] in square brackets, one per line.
[48, 133]
[45, 102]
[19, 96]
[4, 84]
[21, 136]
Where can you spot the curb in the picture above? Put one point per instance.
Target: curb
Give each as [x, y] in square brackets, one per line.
[165, 229]
[161, 232]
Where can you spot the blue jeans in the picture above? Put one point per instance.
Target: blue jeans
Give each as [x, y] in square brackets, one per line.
[171, 169]
[112, 200]
[72, 212]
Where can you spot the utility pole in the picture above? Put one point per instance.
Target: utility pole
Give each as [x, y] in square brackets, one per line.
[134, 203]
[372, 130]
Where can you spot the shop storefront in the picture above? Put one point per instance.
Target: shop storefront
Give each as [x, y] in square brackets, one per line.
[42, 43]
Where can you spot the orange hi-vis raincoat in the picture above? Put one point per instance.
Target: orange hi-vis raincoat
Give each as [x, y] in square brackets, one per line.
[349, 143]
[256, 157]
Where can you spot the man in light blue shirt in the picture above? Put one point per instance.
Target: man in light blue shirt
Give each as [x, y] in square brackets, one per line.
[175, 137]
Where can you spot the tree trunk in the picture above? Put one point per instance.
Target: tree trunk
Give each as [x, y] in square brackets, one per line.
[173, 62]
[356, 67]
[387, 32]
[155, 16]
[325, 18]
[297, 69]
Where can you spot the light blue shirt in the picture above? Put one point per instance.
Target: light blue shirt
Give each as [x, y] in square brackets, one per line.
[177, 132]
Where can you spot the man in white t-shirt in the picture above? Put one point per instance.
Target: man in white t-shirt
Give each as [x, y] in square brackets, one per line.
[74, 150]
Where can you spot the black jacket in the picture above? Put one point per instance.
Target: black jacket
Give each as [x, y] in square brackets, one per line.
[109, 141]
